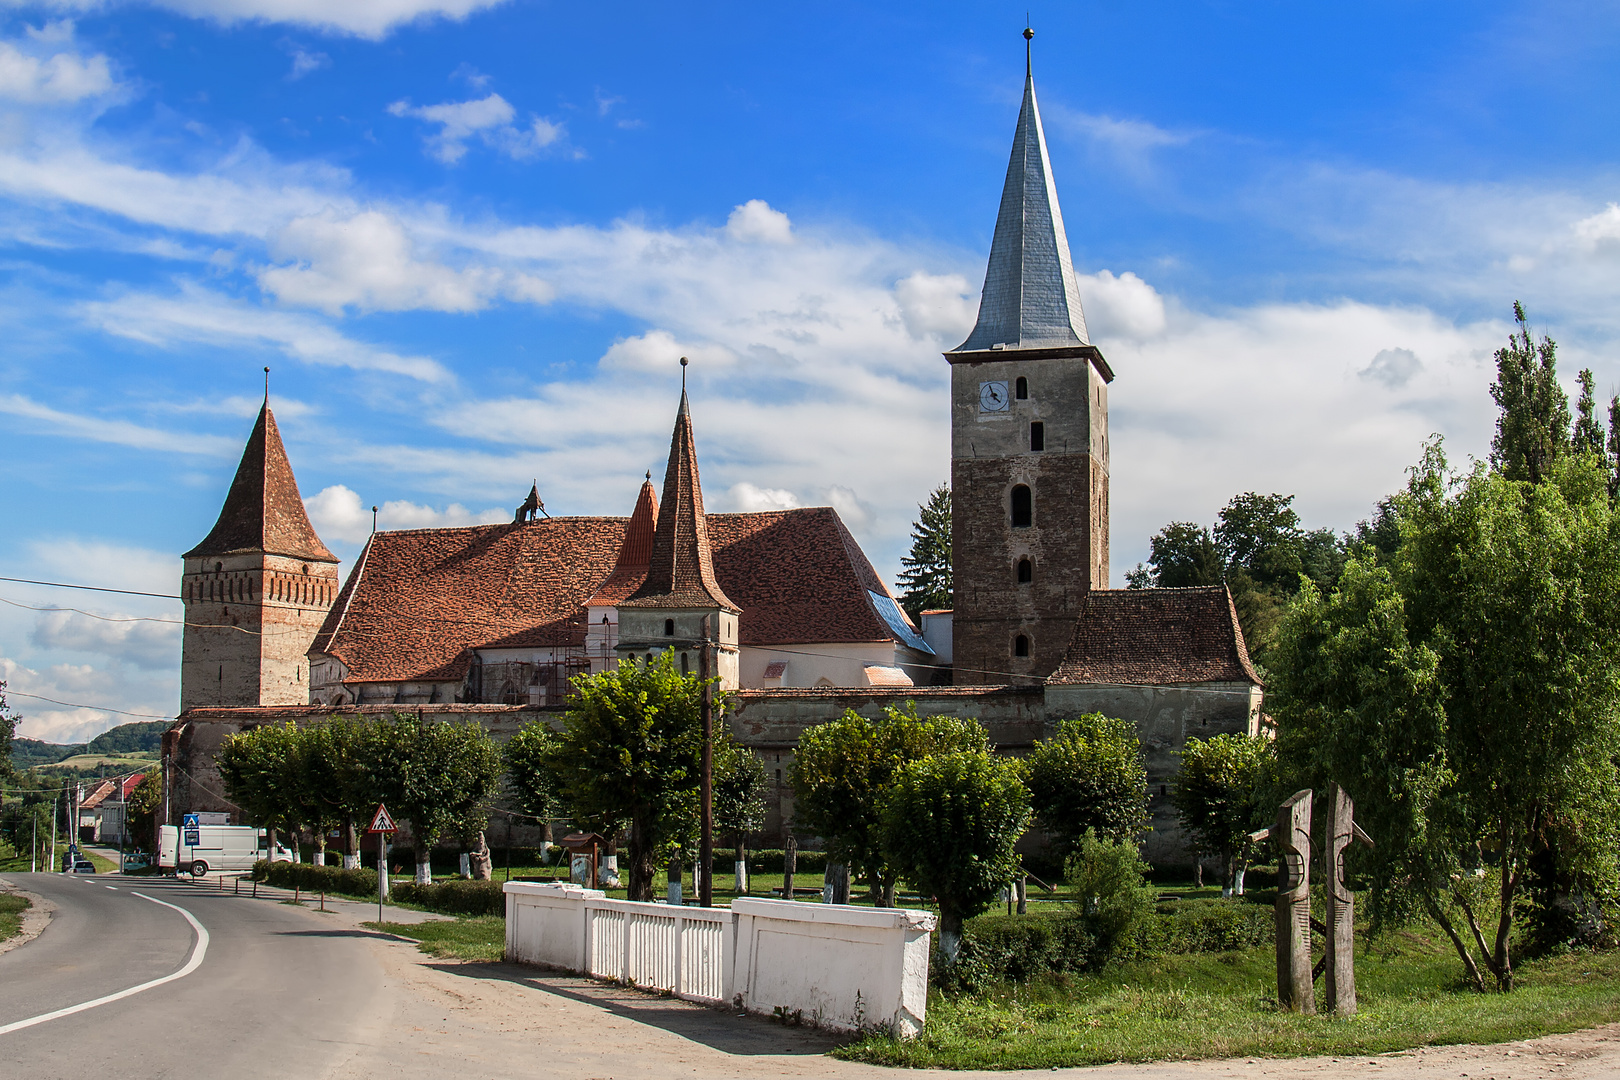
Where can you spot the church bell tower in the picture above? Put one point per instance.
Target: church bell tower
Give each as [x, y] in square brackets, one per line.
[1029, 438]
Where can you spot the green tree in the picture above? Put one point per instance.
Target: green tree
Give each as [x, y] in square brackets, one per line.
[1180, 555]
[259, 768]
[439, 776]
[949, 823]
[1221, 795]
[1109, 880]
[530, 780]
[1464, 692]
[630, 754]
[336, 785]
[1587, 437]
[842, 770]
[1532, 430]
[141, 811]
[739, 794]
[1089, 776]
[8, 728]
[925, 582]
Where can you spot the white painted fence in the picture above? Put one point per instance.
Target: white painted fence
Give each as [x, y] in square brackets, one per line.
[836, 966]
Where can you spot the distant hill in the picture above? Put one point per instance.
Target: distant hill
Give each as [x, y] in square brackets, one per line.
[145, 737]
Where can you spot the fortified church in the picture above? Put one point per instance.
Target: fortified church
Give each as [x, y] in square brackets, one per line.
[490, 622]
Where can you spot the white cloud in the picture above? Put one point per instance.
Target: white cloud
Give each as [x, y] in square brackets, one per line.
[55, 79]
[197, 315]
[305, 63]
[1392, 367]
[366, 261]
[104, 430]
[362, 18]
[338, 514]
[490, 119]
[1121, 307]
[91, 693]
[657, 351]
[109, 565]
[1600, 233]
[936, 306]
[746, 498]
[755, 222]
[153, 646]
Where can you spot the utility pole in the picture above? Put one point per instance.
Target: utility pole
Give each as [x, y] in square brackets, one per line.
[705, 882]
[54, 801]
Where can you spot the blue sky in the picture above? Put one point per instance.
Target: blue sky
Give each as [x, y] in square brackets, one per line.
[470, 239]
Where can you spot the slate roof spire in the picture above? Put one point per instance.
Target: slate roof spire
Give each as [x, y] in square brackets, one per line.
[263, 511]
[1030, 298]
[680, 572]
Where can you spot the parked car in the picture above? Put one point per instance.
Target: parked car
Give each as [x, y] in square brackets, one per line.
[83, 866]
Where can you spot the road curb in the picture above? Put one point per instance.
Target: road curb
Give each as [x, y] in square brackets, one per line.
[34, 920]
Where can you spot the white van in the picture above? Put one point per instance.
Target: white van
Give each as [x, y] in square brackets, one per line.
[219, 847]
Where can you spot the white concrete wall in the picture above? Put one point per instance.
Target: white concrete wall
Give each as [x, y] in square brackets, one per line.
[839, 967]
[840, 664]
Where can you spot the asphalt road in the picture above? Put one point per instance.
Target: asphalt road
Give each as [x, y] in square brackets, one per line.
[276, 994]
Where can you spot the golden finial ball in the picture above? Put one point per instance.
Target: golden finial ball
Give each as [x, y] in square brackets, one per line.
[1028, 33]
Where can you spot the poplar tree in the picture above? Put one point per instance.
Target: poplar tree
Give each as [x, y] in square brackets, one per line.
[1532, 431]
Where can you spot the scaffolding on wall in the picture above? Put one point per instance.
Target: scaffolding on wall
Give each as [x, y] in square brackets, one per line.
[560, 655]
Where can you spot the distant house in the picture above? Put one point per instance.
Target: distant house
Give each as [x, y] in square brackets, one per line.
[102, 813]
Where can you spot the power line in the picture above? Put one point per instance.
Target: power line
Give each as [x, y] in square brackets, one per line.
[77, 705]
[90, 588]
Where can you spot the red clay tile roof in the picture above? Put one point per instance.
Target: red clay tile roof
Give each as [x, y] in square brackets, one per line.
[681, 570]
[262, 511]
[417, 600]
[635, 553]
[1148, 637]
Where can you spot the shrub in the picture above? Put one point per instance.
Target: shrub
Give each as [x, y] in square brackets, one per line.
[1109, 880]
[1089, 775]
[455, 897]
[312, 878]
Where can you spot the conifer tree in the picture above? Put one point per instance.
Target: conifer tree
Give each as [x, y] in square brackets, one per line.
[926, 580]
[1533, 430]
[1587, 438]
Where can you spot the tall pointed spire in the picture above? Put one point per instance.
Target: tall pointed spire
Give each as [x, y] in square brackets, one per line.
[680, 571]
[263, 511]
[1030, 298]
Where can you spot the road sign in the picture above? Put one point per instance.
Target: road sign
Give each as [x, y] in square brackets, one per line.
[193, 836]
[191, 821]
[382, 821]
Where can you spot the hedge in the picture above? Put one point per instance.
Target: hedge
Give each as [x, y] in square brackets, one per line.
[1018, 947]
[312, 878]
[454, 897]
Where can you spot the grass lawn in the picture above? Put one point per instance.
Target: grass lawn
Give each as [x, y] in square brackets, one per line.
[1224, 1005]
[480, 938]
[11, 908]
[17, 862]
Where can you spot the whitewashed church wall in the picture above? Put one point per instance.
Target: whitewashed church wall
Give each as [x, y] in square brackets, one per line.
[817, 665]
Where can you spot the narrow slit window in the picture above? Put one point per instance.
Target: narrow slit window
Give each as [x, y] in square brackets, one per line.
[1021, 389]
[1023, 508]
[1020, 645]
[669, 627]
[1037, 436]
[685, 669]
[1026, 571]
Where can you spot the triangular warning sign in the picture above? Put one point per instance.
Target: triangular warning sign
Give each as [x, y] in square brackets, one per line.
[382, 821]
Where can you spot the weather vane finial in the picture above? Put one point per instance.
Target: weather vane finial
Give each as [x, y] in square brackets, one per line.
[1029, 34]
[683, 374]
[267, 386]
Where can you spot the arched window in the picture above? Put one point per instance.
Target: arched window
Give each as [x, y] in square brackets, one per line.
[1026, 571]
[1037, 436]
[685, 669]
[669, 627]
[1021, 389]
[1020, 645]
[1023, 510]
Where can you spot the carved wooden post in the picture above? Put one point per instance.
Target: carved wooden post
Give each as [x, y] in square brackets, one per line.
[1341, 944]
[1295, 987]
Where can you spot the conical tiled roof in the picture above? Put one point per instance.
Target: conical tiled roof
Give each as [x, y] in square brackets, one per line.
[680, 571]
[635, 553]
[263, 511]
[1030, 298]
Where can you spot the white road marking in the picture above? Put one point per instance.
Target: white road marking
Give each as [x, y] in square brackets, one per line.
[114, 888]
[197, 953]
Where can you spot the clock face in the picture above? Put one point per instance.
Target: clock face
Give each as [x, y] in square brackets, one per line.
[993, 397]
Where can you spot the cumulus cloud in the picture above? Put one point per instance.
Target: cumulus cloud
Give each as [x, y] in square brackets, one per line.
[109, 565]
[1600, 233]
[658, 351]
[1121, 307]
[490, 119]
[122, 638]
[92, 693]
[1392, 367]
[367, 261]
[936, 306]
[746, 498]
[338, 514]
[361, 18]
[755, 222]
[32, 73]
